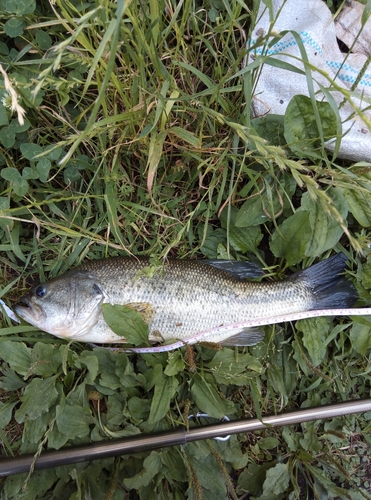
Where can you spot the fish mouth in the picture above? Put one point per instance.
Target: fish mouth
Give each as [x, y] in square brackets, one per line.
[28, 311]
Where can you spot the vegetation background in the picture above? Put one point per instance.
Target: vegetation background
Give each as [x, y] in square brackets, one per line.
[137, 139]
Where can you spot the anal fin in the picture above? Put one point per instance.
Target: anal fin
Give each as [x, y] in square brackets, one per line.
[245, 337]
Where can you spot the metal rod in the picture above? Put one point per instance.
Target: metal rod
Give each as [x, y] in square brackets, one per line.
[135, 444]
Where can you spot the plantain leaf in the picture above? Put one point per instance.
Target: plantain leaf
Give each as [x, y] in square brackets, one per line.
[17, 355]
[151, 467]
[315, 331]
[359, 202]
[126, 322]
[291, 238]
[266, 206]
[301, 131]
[73, 420]
[360, 335]
[277, 481]
[227, 370]
[37, 398]
[242, 239]
[162, 396]
[207, 398]
[271, 128]
[326, 230]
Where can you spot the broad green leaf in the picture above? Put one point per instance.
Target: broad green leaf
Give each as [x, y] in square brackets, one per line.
[277, 481]
[207, 398]
[277, 381]
[162, 396]
[139, 408]
[227, 368]
[21, 7]
[359, 202]
[43, 167]
[176, 467]
[291, 437]
[56, 439]
[175, 364]
[20, 187]
[6, 412]
[291, 238]
[268, 443]
[265, 206]
[151, 466]
[213, 238]
[71, 174]
[73, 421]
[29, 173]
[37, 398]
[43, 39]
[17, 355]
[17, 128]
[90, 361]
[326, 231]
[4, 49]
[252, 478]
[242, 240]
[128, 376]
[360, 335]
[30, 150]
[205, 468]
[7, 137]
[301, 131]
[315, 331]
[45, 360]
[10, 174]
[310, 441]
[52, 152]
[34, 429]
[39, 483]
[14, 27]
[126, 322]
[10, 381]
[271, 128]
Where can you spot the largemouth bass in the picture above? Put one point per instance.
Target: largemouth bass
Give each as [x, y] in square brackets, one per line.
[183, 298]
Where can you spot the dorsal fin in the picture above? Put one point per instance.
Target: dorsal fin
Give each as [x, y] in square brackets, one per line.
[240, 269]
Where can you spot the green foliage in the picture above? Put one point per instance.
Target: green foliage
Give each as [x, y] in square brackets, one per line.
[301, 129]
[137, 139]
[126, 322]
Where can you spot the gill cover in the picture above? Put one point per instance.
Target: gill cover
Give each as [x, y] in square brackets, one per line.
[66, 306]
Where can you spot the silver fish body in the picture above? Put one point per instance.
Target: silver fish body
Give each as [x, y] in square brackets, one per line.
[181, 299]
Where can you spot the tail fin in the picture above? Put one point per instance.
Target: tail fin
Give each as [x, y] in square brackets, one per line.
[328, 288]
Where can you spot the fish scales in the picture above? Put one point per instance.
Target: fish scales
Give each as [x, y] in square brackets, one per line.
[182, 298]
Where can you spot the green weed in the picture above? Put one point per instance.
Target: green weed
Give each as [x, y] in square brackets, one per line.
[137, 139]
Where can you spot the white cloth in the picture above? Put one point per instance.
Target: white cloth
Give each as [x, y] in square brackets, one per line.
[313, 21]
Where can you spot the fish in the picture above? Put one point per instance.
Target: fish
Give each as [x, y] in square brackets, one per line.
[180, 299]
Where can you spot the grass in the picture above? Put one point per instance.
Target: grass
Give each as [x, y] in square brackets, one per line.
[138, 140]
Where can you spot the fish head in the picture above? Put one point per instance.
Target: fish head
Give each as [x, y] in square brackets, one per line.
[68, 306]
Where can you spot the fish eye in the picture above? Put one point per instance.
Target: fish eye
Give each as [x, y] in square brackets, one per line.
[96, 289]
[40, 291]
